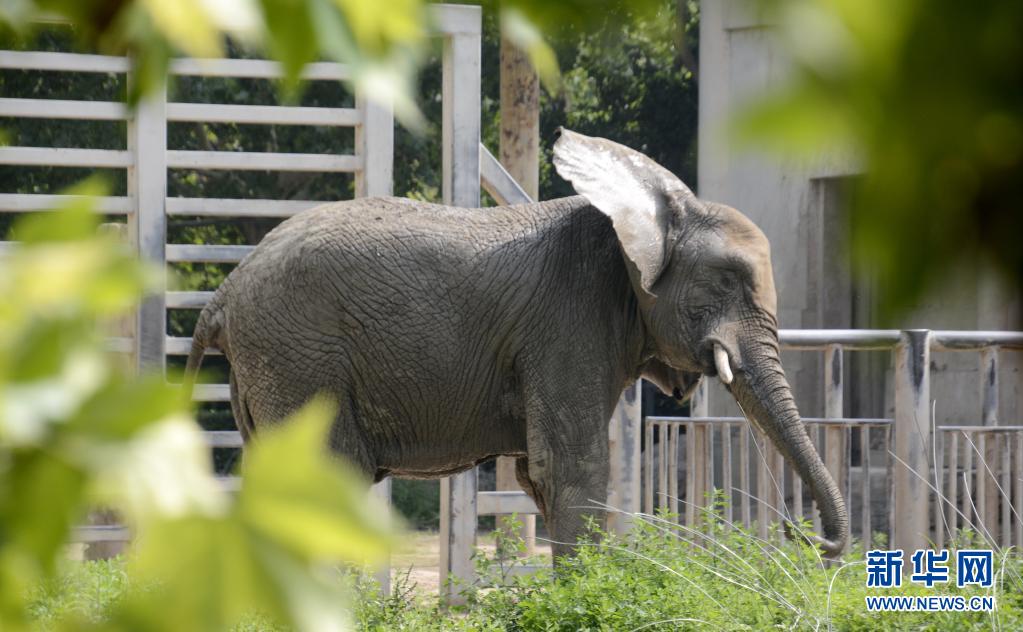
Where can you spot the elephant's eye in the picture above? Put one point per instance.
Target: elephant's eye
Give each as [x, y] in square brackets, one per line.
[729, 282]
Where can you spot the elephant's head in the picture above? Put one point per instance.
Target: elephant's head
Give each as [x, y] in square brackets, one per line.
[702, 275]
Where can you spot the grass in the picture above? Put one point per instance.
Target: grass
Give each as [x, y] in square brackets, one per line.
[666, 578]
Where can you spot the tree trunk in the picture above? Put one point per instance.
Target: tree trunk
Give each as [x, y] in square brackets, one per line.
[519, 153]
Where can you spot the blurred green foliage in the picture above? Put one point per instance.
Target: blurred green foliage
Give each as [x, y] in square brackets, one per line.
[77, 429]
[928, 97]
[381, 41]
[667, 579]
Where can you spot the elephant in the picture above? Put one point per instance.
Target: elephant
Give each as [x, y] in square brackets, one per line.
[449, 336]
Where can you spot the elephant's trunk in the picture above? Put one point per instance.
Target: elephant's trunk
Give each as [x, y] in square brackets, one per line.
[763, 392]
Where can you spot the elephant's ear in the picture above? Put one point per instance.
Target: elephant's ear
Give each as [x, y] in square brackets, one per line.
[639, 195]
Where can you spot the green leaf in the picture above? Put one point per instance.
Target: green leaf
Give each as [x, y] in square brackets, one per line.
[291, 39]
[209, 569]
[40, 498]
[75, 220]
[29, 408]
[294, 492]
[123, 407]
[298, 509]
[187, 24]
[163, 471]
[526, 36]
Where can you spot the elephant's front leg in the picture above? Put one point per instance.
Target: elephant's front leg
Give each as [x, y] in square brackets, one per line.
[568, 471]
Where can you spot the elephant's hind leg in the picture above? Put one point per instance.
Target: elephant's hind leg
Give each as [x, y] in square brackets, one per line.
[347, 441]
[522, 476]
[242, 417]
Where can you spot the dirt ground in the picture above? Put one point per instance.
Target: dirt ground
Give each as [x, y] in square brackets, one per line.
[420, 552]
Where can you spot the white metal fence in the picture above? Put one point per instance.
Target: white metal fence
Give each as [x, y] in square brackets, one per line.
[929, 480]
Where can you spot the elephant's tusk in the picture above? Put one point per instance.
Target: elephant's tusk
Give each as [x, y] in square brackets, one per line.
[721, 362]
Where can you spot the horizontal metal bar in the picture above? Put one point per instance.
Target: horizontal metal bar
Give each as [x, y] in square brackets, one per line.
[262, 114]
[863, 339]
[223, 438]
[210, 254]
[64, 157]
[259, 161]
[217, 207]
[187, 300]
[100, 533]
[452, 19]
[180, 346]
[975, 340]
[494, 503]
[819, 336]
[230, 483]
[119, 345]
[496, 180]
[822, 421]
[980, 429]
[64, 109]
[867, 339]
[519, 570]
[211, 393]
[62, 62]
[31, 202]
[256, 69]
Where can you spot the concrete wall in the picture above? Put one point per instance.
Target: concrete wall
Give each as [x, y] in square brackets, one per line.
[798, 206]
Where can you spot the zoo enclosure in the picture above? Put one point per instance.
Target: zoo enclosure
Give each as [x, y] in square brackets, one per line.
[932, 479]
[467, 165]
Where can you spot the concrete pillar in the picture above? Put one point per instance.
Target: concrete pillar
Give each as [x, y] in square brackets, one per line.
[911, 469]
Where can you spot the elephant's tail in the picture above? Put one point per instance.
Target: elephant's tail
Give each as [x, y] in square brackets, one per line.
[207, 334]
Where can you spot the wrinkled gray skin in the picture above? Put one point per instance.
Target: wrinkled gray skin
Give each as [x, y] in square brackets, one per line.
[449, 336]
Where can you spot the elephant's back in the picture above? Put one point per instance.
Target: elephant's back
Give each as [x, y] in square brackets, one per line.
[367, 299]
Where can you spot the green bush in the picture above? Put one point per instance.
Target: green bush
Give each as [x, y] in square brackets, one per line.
[664, 578]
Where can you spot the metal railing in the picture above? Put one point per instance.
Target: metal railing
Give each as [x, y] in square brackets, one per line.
[934, 479]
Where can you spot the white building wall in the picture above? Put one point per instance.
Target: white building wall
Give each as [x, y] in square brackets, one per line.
[795, 205]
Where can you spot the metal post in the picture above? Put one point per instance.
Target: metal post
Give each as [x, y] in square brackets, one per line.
[624, 448]
[987, 491]
[374, 143]
[673, 435]
[699, 463]
[457, 534]
[147, 186]
[834, 435]
[122, 327]
[461, 120]
[989, 385]
[1018, 501]
[461, 187]
[382, 490]
[648, 469]
[912, 441]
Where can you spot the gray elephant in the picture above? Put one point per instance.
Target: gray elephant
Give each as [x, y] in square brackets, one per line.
[449, 336]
